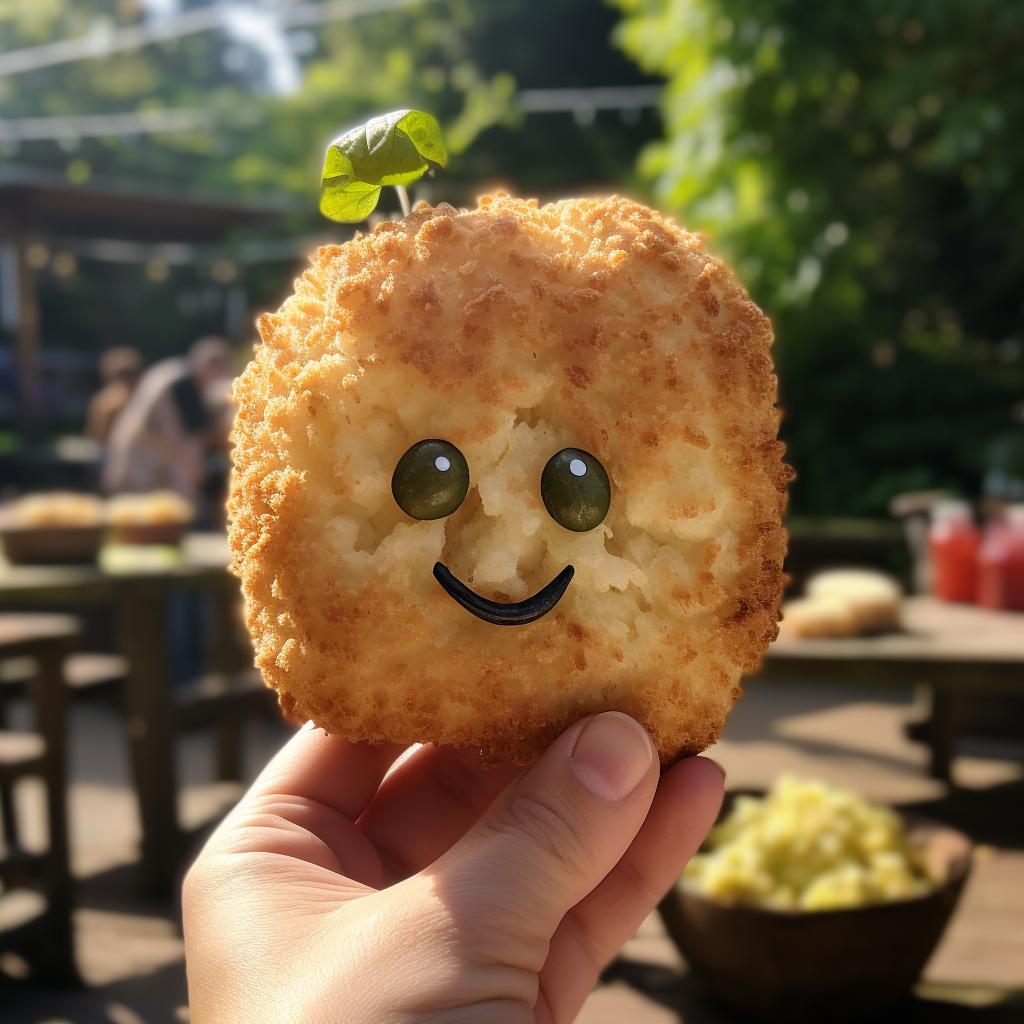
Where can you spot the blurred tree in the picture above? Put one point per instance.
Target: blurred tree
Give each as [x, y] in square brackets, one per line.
[860, 162]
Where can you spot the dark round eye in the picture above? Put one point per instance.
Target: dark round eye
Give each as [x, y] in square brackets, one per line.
[431, 480]
[575, 490]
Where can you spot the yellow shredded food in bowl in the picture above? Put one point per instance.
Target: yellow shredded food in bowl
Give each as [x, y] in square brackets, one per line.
[806, 846]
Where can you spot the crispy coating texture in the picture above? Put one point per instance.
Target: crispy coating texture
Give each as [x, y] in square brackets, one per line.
[512, 331]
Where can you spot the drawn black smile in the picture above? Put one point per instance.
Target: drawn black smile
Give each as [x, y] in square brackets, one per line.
[517, 614]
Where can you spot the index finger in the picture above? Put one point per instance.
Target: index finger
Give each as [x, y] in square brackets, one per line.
[328, 770]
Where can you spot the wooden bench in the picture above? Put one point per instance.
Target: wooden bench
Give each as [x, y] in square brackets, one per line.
[45, 943]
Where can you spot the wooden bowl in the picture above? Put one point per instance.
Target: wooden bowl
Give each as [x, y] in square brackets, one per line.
[51, 545]
[150, 533]
[826, 965]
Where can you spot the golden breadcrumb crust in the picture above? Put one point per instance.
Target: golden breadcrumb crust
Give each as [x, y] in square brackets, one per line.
[512, 331]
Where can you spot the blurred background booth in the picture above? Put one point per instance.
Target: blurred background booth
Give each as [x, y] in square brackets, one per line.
[48, 227]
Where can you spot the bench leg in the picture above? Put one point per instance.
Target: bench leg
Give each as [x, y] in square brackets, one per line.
[51, 721]
[8, 820]
[231, 649]
[942, 734]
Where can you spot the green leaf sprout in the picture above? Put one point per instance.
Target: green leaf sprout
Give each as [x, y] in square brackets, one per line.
[395, 149]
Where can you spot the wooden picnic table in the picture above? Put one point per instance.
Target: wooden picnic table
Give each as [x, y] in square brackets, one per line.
[139, 598]
[948, 648]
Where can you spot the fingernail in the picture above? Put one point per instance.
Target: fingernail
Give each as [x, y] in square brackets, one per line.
[612, 755]
[717, 765]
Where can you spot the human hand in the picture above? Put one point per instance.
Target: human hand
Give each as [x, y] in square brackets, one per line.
[362, 884]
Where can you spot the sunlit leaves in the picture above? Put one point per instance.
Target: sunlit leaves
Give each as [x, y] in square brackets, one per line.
[395, 149]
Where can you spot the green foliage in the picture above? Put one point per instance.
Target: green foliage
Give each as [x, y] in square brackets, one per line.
[420, 56]
[859, 164]
[396, 149]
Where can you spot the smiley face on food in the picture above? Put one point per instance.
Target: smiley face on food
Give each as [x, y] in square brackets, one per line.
[426, 486]
[498, 469]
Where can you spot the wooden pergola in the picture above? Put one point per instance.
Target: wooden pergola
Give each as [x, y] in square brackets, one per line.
[38, 204]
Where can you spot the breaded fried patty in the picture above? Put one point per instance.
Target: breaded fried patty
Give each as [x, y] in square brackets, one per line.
[509, 333]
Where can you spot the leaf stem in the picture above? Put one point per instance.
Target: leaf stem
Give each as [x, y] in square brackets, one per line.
[403, 198]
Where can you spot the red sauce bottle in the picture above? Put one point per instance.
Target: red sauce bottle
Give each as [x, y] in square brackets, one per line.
[953, 542]
[1001, 562]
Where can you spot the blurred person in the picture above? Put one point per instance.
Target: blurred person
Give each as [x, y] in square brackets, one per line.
[173, 420]
[363, 883]
[119, 369]
[173, 434]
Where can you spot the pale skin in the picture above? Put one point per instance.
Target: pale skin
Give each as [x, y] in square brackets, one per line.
[365, 884]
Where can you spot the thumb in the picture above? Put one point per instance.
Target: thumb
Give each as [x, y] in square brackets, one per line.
[549, 841]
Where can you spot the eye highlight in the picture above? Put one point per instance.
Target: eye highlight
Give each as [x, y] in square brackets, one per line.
[575, 489]
[431, 480]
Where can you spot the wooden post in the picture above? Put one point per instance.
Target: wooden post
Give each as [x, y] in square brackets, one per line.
[150, 722]
[8, 817]
[231, 651]
[230, 646]
[19, 315]
[28, 340]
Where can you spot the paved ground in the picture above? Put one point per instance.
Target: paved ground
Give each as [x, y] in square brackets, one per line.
[130, 951]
